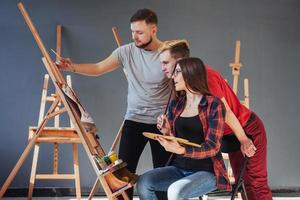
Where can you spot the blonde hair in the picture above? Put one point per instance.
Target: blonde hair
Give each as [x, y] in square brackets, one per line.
[167, 45]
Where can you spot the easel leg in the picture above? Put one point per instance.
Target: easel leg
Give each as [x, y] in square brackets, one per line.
[95, 187]
[33, 170]
[125, 196]
[18, 165]
[76, 171]
[27, 150]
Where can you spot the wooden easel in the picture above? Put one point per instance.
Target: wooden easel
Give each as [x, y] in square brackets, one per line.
[235, 73]
[236, 66]
[119, 43]
[118, 136]
[111, 180]
[55, 135]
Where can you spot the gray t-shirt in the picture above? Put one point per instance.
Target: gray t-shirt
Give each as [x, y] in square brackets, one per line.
[148, 87]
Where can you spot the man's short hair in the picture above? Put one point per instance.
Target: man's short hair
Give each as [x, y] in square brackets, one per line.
[148, 15]
[177, 48]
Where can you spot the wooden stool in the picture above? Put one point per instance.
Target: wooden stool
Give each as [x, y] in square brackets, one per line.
[55, 135]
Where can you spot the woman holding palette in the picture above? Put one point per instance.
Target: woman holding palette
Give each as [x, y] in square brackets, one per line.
[199, 117]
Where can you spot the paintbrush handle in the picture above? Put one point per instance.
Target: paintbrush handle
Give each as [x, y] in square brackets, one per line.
[56, 53]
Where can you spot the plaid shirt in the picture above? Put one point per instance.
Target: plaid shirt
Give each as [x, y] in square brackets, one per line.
[212, 117]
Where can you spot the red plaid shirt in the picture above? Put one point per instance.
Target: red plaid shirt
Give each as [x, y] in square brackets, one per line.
[212, 117]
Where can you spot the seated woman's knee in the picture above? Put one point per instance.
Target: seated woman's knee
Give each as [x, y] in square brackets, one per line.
[175, 192]
[145, 182]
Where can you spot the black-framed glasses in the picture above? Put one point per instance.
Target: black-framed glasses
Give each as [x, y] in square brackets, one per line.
[176, 71]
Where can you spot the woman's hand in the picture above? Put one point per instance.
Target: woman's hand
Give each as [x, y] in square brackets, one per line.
[65, 64]
[171, 145]
[163, 125]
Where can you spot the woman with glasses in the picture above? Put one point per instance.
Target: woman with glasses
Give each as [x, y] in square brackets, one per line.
[199, 117]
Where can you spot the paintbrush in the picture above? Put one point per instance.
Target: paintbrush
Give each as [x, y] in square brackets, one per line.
[56, 54]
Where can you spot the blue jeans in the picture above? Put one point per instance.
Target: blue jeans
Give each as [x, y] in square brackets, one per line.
[179, 183]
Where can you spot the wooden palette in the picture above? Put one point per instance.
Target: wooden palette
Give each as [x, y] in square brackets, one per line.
[182, 141]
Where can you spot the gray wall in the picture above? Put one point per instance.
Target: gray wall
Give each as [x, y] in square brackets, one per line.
[269, 32]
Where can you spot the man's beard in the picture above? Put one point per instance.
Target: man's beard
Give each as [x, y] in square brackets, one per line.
[143, 46]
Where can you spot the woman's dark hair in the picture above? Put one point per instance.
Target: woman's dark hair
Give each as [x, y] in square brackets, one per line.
[148, 15]
[194, 75]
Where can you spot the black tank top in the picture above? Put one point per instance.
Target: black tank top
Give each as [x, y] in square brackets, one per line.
[190, 128]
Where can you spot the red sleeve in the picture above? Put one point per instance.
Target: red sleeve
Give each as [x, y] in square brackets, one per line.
[214, 80]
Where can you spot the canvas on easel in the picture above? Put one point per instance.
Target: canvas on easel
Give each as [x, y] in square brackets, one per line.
[117, 179]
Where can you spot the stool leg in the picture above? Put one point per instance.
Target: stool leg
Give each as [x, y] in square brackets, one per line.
[235, 190]
[239, 181]
[33, 170]
[244, 191]
[76, 171]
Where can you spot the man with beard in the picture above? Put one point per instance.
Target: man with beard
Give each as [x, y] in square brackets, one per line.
[148, 88]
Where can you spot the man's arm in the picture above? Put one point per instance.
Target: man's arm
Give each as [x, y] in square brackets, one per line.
[247, 146]
[90, 69]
